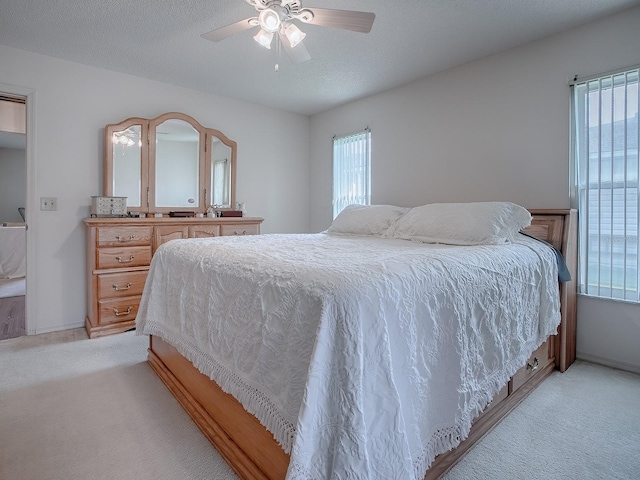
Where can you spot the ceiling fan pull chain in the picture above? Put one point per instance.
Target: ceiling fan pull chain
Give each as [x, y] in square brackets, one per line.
[276, 68]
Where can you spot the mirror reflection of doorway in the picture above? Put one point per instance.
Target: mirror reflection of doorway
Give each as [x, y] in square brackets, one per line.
[13, 197]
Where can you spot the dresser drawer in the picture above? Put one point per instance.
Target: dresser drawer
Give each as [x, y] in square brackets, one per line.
[239, 229]
[117, 310]
[204, 231]
[123, 257]
[501, 395]
[126, 284]
[165, 233]
[536, 363]
[123, 235]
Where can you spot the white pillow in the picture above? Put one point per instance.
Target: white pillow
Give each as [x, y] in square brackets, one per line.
[366, 219]
[479, 223]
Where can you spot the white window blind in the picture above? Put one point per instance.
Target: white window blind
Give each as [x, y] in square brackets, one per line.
[220, 182]
[351, 170]
[606, 137]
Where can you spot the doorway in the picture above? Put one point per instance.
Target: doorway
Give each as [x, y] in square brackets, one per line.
[13, 214]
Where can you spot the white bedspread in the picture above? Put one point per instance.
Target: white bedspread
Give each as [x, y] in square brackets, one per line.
[13, 250]
[365, 357]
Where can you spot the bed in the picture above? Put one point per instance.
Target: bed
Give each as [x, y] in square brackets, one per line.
[12, 252]
[348, 382]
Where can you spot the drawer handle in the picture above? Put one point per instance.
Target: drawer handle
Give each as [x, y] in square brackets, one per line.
[235, 232]
[119, 314]
[118, 289]
[120, 260]
[533, 365]
[124, 239]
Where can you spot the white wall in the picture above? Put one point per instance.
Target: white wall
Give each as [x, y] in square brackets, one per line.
[494, 129]
[13, 183]
[609, 332]
[73, 103]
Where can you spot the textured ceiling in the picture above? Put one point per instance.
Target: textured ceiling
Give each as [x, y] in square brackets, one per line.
[160, 39]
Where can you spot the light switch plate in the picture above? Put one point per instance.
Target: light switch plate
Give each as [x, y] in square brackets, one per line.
[48, 203]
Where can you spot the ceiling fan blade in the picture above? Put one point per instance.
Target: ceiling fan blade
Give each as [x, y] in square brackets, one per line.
[345, 19]
[297, 54]
[224, 32]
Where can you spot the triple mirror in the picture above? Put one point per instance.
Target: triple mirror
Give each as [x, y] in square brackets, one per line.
[169, 163]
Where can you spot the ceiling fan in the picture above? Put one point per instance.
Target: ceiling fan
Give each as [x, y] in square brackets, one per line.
[277, 16]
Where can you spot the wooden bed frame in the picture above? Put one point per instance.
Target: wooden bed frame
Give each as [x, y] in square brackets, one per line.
[252, 451]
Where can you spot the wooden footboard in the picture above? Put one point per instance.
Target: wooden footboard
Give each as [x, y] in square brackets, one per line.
[252, 451]
[245, 444]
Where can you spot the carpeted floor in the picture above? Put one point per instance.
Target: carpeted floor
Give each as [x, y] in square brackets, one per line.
[78, 409]
[583, 424]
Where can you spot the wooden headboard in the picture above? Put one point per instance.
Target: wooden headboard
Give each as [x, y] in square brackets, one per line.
[559, 227]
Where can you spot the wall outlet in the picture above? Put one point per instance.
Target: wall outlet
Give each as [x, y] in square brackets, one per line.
[48, 203]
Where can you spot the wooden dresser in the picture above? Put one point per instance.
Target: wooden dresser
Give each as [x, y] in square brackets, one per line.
[119, 252]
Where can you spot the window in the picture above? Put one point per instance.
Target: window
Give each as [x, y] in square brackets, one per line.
[220, 182]
[351, 170]
[605, 126]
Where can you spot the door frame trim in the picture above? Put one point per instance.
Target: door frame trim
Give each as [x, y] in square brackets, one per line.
[31, 298]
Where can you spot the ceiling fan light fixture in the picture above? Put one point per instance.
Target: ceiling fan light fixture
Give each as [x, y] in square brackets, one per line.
[264, 38]
[277, 17]
[269, 20]
[294, 34]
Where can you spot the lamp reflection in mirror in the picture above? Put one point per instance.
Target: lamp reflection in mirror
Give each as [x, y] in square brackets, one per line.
[125, 138]
[126, 158]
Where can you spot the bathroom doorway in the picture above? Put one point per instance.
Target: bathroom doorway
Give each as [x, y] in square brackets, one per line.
[13, 214]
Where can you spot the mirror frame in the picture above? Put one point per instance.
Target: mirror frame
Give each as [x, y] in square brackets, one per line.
[208, 174]
[148, 167]
[108, 176]
[199, 206]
